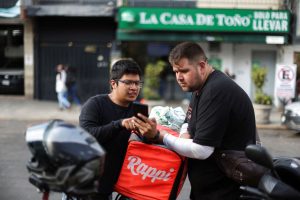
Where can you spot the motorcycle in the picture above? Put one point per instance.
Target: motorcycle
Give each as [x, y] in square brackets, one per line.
[65, 159]
[281, 181]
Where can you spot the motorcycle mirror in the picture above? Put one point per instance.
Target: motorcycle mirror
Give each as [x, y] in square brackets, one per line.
[260, 155]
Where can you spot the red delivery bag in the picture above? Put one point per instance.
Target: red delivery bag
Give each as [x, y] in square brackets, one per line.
[151, 172]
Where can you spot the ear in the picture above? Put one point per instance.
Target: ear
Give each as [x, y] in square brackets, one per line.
[201, 65]
[113, 84]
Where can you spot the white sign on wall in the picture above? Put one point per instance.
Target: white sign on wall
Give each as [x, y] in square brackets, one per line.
[28, 59]
[285, 81]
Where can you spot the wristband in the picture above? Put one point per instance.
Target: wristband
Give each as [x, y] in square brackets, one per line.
[156, 137]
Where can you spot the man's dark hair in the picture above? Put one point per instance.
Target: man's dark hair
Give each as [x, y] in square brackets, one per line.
[190, 50]
[124, 66]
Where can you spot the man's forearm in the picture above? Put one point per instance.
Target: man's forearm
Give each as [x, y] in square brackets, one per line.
[185, 147]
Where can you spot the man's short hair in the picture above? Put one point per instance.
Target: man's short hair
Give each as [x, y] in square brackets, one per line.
[189, 50]
[124, 66]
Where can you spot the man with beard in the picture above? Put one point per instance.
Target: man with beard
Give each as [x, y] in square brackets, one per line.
[220, 116]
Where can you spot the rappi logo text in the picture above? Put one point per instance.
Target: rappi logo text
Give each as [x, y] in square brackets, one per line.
[137, 167]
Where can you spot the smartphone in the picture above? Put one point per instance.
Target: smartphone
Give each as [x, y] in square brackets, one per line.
[140, 108]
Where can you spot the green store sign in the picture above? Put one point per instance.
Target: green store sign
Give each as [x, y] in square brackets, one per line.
[225, 20]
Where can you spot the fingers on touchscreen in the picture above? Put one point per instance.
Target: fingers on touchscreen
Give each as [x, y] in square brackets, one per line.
[140, 108]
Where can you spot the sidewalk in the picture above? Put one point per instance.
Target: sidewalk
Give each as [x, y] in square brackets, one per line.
[21, 108]
[275, 121]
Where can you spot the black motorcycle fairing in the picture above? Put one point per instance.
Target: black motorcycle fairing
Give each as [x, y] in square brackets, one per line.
[288, 170]
[277, 189]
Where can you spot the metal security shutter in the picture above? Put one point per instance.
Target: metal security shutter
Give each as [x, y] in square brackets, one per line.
[84, 45]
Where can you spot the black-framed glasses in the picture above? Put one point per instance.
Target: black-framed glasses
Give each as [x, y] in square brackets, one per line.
[131, 83]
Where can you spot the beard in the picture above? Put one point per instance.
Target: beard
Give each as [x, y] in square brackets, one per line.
[190, 88]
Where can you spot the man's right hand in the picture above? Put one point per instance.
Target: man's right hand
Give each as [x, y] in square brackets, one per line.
[128, 123]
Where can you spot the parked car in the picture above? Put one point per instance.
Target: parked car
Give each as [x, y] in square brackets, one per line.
[12, 77]
[291, 116]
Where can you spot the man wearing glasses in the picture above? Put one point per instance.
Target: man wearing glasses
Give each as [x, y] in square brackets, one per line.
[108, 117]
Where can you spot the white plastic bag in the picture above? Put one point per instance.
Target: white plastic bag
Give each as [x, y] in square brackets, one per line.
[168, 116]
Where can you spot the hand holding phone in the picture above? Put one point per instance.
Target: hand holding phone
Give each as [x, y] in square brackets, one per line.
[140, 108]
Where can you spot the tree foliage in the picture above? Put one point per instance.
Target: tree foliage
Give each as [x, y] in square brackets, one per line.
[152, 79]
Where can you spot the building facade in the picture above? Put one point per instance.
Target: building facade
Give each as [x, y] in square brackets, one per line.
[90, 35]
[75, 33]
[11, 48]
[291, 52]
[235, 36]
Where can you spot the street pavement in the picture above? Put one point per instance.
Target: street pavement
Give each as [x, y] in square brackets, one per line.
[22, 108]
[18, 112]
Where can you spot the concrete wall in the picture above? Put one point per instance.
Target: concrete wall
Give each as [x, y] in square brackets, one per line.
[287, 53]
[248, 4]
[28, 58]
[243, 63]
[238, 59]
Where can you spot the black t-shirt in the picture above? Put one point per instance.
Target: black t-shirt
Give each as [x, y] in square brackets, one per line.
[102, 118]
[220, 115]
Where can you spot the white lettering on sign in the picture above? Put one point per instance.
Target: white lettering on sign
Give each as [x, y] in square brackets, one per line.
[137, 167]
[279, 15]
[269, 25]
[144, 19]
[202, 19]
[270, 21]
[180, 19]
[166, 19]
[261, 15]
[235, 20]
[260, 20]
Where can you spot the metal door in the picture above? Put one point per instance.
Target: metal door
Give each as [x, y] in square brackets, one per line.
[82, 43]
[266, 59]
[91, 62]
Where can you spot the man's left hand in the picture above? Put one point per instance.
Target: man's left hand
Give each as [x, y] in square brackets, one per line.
[145, 126]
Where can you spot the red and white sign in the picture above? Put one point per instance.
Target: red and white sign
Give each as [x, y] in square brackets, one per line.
[285, 81]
